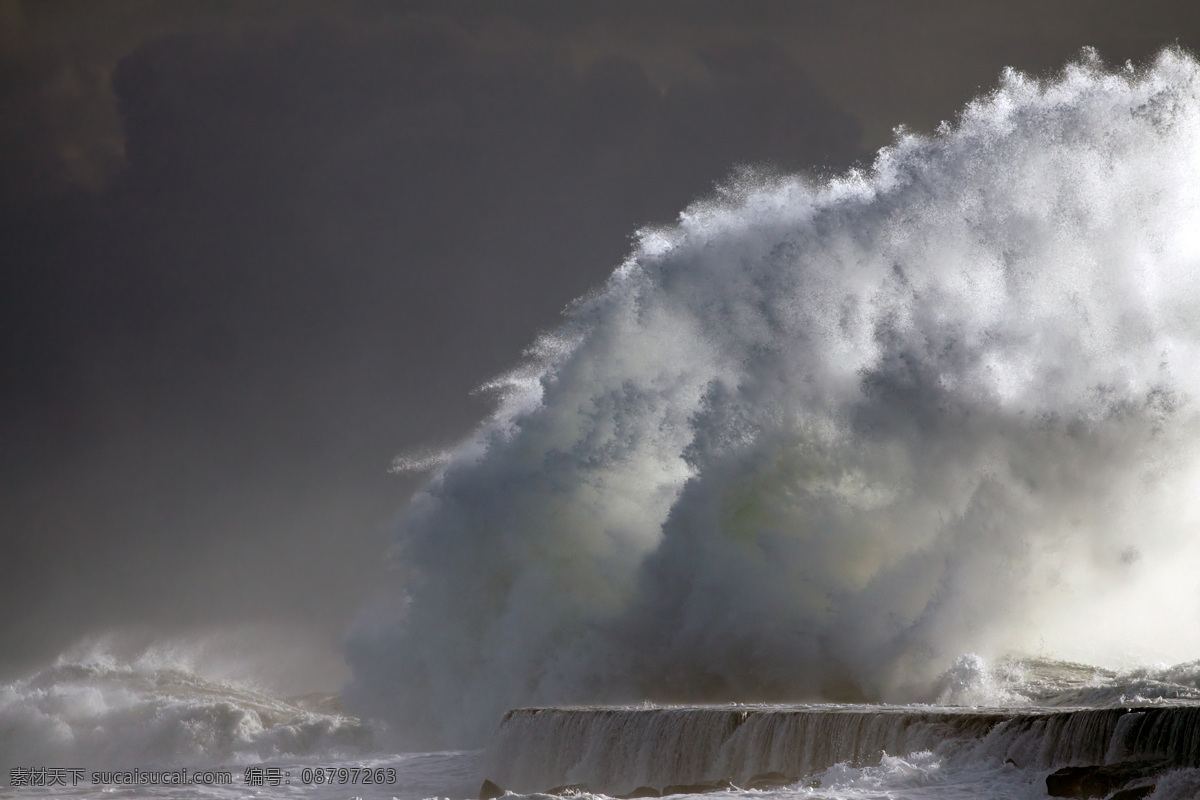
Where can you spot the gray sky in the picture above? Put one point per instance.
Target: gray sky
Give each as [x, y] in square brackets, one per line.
[250, 251]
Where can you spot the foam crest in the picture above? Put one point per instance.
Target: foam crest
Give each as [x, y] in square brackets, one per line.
[1015, 682]
[106, 712]
[817, 440]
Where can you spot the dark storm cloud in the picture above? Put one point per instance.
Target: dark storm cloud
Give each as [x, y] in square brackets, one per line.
[322, 238]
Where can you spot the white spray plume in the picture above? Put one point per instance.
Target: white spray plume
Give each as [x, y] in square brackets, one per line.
[818, 440]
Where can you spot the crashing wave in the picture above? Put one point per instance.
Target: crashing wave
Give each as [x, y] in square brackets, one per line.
[818, 439]
[110, 713]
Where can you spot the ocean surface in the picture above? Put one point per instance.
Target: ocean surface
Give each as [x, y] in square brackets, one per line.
[993, 731]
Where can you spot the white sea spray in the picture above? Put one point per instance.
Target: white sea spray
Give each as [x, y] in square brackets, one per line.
[818, 439]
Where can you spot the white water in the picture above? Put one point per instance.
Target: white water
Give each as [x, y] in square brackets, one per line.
[102, 712]
[818, 439]
[172, 705]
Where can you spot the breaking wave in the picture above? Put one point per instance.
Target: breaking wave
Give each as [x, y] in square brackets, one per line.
[99, 710]
[1014, 683]
[820, 438]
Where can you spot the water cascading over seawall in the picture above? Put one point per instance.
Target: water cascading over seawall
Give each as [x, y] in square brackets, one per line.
[614, 750]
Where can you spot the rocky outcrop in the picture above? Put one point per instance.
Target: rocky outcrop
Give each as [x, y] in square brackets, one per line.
[489, 791]
[1103, 780]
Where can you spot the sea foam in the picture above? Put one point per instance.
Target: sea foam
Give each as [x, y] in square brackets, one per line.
[97, 710]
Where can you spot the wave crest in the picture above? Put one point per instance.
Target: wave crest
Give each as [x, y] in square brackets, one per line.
[102, 711]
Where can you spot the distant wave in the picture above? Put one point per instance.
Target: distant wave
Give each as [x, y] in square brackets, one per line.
[1015, 682]
[100, 711]
[819, 439]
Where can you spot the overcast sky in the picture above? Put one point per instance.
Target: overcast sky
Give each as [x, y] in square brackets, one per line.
[251, 251]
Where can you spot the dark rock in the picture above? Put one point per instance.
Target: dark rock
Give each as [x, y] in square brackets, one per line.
[770, 780]
[489, 791]
[641, 791]
[1068, 782]
[1100, 781]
